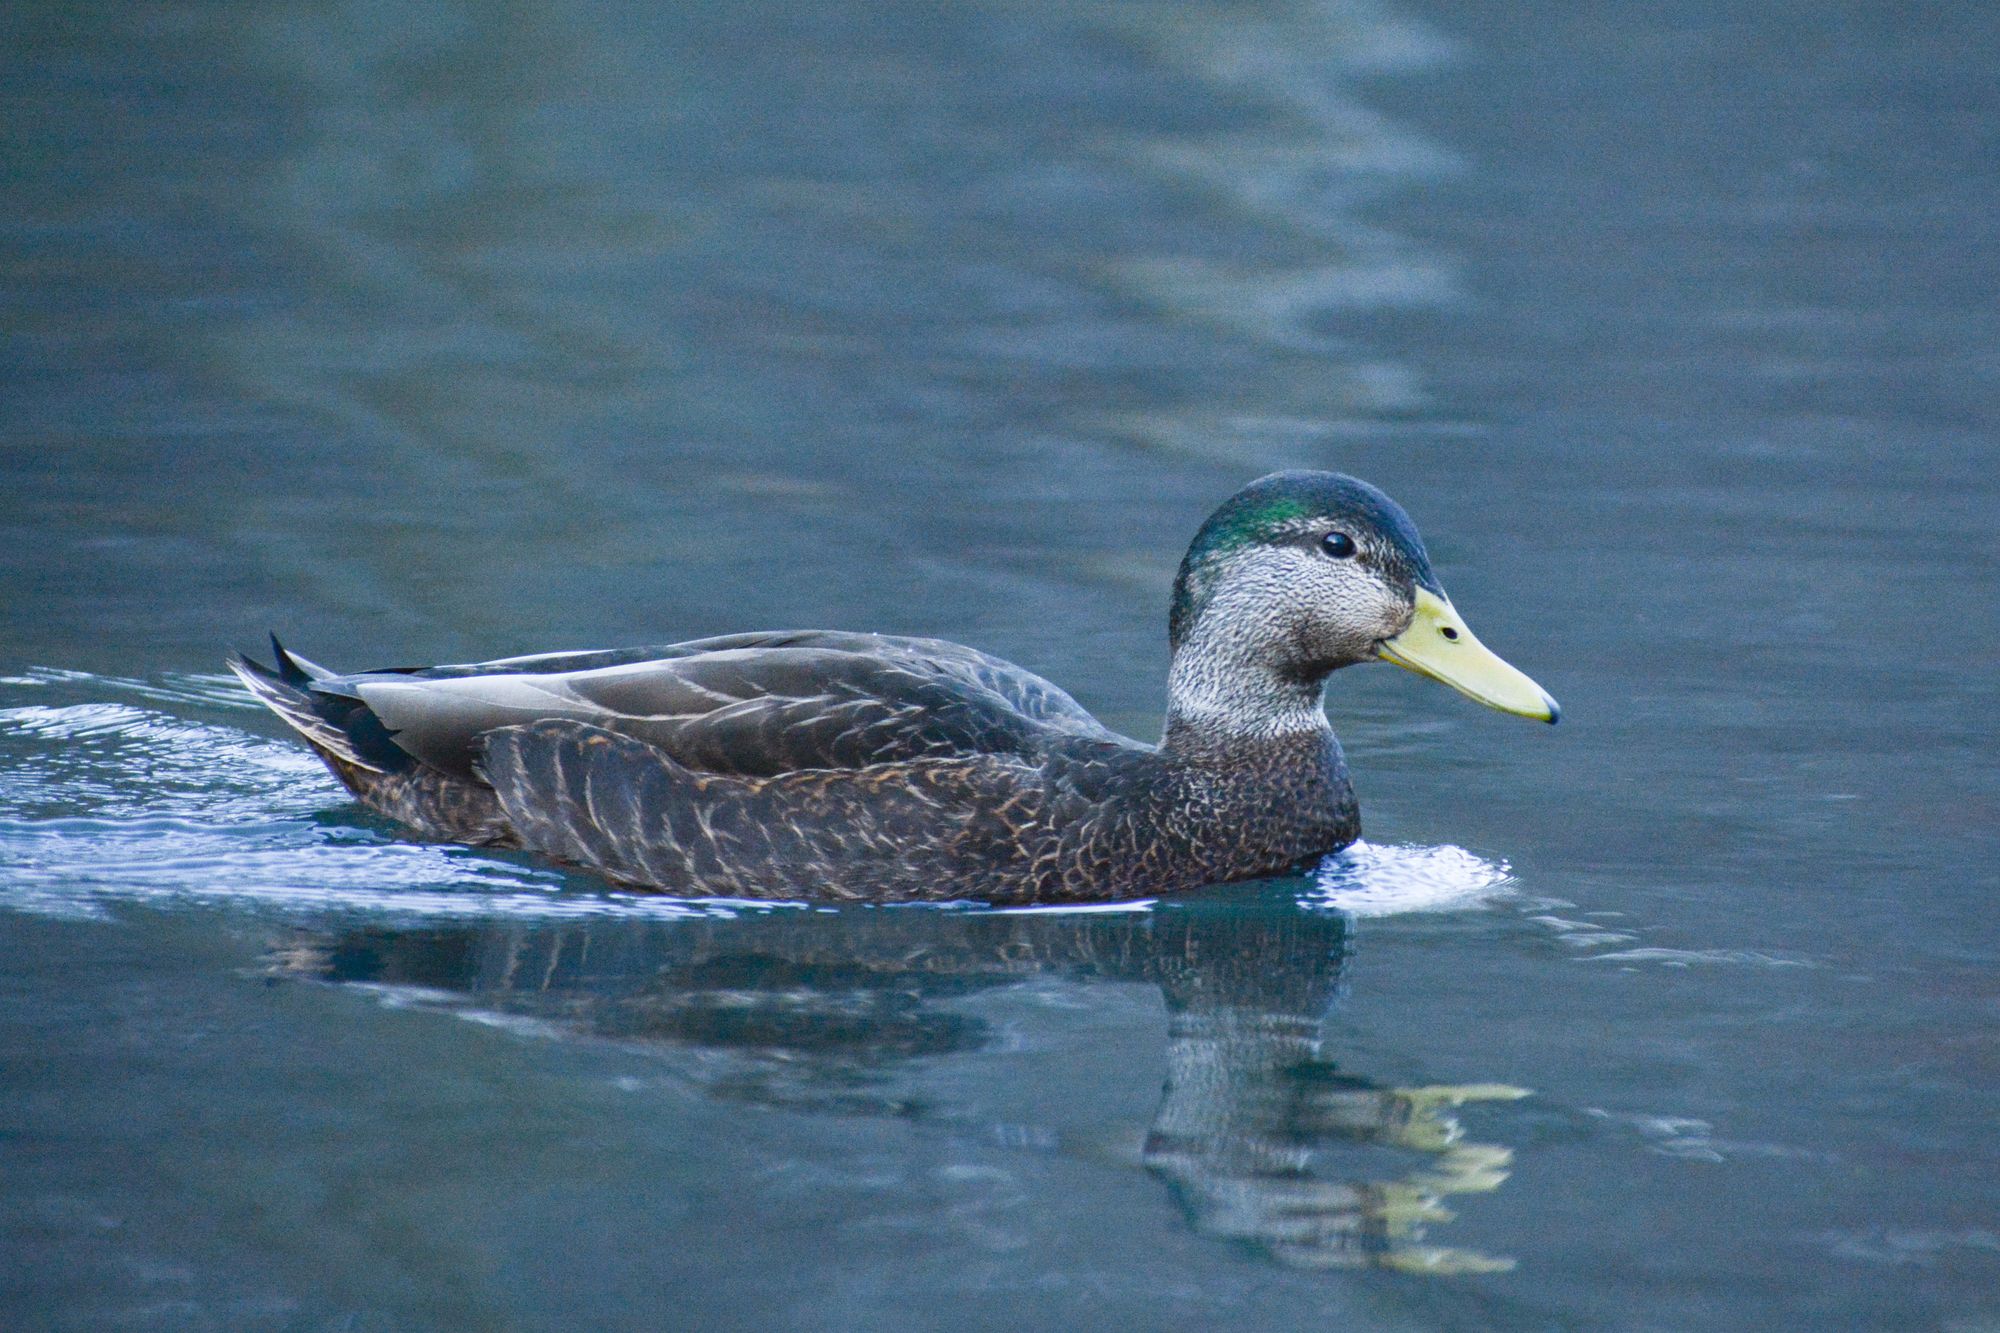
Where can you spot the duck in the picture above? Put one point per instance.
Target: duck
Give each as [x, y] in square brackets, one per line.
[845, 766]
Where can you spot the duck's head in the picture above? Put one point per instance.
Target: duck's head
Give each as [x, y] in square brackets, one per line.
[1301, 573]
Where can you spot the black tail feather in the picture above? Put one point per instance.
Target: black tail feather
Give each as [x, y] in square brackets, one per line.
[296, 670]
[337, 725]
[290, 672]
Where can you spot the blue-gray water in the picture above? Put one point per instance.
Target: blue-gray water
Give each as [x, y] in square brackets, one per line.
[427, 332]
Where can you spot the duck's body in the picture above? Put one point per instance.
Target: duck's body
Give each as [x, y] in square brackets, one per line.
[815, 764]
[821, 764]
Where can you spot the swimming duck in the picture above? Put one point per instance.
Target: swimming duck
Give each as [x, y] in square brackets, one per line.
[828, 764]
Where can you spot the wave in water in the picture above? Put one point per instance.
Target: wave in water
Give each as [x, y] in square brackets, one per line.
[1370, 879]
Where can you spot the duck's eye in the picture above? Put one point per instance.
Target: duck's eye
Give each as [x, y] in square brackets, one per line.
[1337, 544]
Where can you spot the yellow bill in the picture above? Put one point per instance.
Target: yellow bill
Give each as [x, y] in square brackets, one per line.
[1437, 644]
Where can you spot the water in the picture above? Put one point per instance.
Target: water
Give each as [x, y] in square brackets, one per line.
[427, 333]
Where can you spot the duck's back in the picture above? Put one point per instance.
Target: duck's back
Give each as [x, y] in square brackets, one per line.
[753, 705]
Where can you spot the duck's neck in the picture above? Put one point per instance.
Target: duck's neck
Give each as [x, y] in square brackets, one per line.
[1224, 694]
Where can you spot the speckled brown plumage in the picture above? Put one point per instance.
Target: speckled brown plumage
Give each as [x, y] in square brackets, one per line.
[1085, 819]
[826, 764]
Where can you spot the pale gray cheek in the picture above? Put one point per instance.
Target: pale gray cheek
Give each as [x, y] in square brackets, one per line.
[1361, 609]
[1388, 615]
[1311, 608]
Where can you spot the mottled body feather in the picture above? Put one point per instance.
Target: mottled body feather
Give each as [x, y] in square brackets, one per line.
[1080, 819]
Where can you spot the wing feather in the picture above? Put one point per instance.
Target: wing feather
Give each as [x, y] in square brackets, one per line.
[750, 705]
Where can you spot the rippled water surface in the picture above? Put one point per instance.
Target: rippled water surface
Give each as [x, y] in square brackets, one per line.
[437, 332]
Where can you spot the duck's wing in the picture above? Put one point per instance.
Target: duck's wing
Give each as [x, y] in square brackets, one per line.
[748, 704]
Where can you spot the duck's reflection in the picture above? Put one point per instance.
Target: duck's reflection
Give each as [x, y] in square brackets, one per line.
[819, 1010]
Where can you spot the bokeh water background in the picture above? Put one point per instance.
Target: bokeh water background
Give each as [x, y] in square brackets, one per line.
[434, 332]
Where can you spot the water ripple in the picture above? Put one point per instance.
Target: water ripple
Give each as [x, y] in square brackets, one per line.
[1693, 957]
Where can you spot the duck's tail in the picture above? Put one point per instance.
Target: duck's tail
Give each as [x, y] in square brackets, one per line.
[324, 707]
[287, 691]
